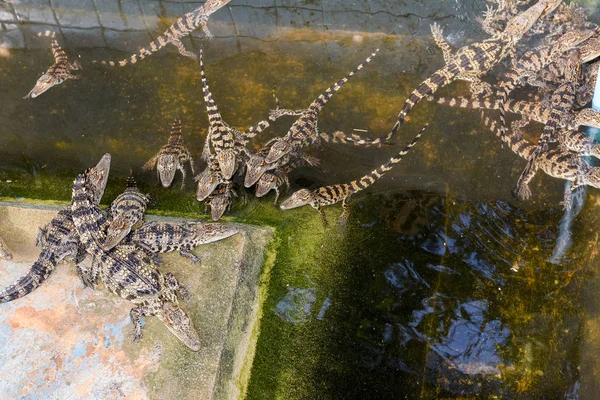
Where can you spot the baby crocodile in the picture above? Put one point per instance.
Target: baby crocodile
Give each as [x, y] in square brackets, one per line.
[127, 271]
[171, 157]
[333, 194]
[126, 211]
[184, 25]
[59, 72]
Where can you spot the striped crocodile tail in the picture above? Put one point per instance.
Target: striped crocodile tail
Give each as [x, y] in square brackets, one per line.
[377, 173]
[39, 272]
[517, 144]
[320, 101]
[142, 53]
[211, 106]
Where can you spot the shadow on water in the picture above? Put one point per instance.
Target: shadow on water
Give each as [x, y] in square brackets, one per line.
[438, 288]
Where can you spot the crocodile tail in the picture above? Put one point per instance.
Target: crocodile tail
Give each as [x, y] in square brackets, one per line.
[468, 102]
[427, 88]
[517, 144]
[506, 87]
[211, 106]
[373, 176]
[50, 34]
[320, 101]
[39, 272]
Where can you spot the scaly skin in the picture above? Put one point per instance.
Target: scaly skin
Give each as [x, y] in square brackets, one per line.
[162, 237]
[333, 194]
[528, 65]
[127, 271]
[304, 131]
[184, 25]
[5, 254]
[59, 72]
[171, 157]
[556, 162]
[58, 239]
[539, 112]
[472, 62]
[220, 200]
[126, 211]
[226, 141]
[274, 179]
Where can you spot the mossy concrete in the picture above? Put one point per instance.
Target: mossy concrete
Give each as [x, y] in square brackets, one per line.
[67, 341]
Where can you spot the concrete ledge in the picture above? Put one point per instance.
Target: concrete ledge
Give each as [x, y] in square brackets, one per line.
[64, 341]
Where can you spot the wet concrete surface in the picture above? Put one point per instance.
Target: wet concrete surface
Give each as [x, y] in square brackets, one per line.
[67, 341]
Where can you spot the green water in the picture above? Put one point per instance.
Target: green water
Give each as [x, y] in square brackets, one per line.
[439, 287]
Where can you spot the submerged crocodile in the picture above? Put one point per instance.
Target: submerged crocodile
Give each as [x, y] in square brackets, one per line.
[59, 72]
[163, 237]
[274, 179]
[126, 211]
[470, 63]
[226, 141]
[305, 130]
[171, 157]
[333, 194]
[184, 25]
[59, 239]
[127, 271]
[557, 163]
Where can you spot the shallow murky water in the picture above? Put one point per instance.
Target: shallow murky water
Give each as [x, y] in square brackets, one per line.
[439, 287]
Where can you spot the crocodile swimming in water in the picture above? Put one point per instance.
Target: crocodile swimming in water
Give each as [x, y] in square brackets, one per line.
[59, 72]
[184, 25]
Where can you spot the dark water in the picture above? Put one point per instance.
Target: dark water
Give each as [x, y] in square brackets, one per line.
[439, 288]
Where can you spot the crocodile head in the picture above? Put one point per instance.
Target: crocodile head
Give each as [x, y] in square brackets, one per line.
[226, 160]
[265, 184]
[279, 149]
[167, 166]
[5, 254]
[573, 38]
[97, 177]
[588, 117]
[44, 83]
[208, 233]
[300, 198]
[218, 206]
[518, 26]
[117, 230]
[178, 322]
[207, 182]
[255, 167]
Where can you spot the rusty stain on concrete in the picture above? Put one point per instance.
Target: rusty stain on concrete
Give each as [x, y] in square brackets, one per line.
[67, 341]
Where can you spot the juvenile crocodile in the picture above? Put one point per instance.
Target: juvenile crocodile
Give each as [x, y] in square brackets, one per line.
[127, 271]
[171, 157]
[274, 179]
[220, 200]
[305, 130]
[5, 253]
[126, 211]
[227, 142]
[531, 111]
[557, 163]
[471, 62]
[163, 237]
[184, 25]
[209, 178]
[532, 61]
[58, 240]
[561, 103]
[59, 72]
[333, 194]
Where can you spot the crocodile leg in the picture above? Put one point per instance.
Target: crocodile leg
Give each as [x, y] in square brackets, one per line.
[438, 38]
[523, 191]
[346, 211]
[183, 179]
[177, 43]
[177, 287]
[136, 315]
[187, 254]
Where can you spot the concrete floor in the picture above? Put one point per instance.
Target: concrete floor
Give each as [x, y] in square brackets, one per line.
[66, 341]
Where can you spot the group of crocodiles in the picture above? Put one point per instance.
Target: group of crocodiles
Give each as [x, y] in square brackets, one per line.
[559, 66]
